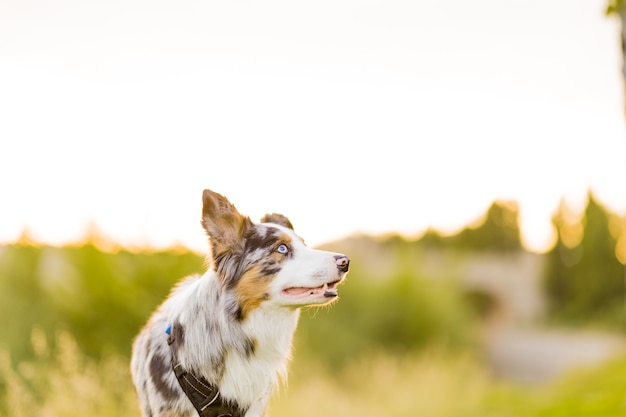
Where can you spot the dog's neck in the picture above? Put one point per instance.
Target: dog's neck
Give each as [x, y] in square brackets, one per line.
[272, 329]
[253, 377]
[254, 351]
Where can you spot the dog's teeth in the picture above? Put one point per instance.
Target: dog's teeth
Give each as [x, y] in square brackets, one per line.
[325, 287]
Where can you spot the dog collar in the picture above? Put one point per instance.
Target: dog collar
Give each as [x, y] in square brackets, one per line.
[204, 396]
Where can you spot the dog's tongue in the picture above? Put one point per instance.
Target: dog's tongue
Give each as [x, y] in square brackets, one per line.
[323, 290]
[304, 290]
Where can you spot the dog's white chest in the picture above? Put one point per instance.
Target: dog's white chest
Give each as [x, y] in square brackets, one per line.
[252, 379]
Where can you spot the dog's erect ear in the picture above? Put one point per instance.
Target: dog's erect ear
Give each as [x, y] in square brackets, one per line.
[277, 219]
[222, 222]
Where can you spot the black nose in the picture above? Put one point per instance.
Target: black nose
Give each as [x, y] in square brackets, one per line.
[343, 263]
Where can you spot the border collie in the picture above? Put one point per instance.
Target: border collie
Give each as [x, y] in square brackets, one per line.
[228, 333]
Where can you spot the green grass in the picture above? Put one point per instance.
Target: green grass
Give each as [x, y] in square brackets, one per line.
[434, 383]
[402, 344]
[66, 383]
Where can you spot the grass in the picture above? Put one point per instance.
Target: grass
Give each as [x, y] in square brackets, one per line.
[433, 383]
[65, 383]
[386, 385]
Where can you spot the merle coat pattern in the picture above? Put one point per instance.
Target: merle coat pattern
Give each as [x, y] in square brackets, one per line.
[234, 324]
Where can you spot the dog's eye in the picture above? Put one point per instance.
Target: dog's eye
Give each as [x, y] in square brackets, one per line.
[282, 249]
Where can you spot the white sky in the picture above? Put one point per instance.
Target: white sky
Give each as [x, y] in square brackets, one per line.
[346, 115]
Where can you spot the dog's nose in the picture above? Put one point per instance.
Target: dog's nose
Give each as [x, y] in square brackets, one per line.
[343, 263]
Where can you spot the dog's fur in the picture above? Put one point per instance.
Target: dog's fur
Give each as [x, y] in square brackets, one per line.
[234, 324]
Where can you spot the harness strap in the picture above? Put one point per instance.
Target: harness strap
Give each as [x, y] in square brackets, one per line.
[204, 396]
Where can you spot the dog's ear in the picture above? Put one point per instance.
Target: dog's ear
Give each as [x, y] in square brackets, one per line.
[224, 225]
[277, 219]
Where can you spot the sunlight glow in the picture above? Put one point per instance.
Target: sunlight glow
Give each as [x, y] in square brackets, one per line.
[374, 118]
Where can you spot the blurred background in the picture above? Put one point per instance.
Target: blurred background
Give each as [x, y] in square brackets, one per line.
[470, 158]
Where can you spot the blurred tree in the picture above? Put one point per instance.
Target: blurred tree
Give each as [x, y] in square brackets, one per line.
[399, 314]
[560, 260]
[101, 298]
[116, 292]
[584, 278]
[498, 231]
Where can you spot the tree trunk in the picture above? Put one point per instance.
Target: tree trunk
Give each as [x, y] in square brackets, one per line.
[622, 15]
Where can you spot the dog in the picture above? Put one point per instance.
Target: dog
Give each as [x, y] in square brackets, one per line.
[225, 337]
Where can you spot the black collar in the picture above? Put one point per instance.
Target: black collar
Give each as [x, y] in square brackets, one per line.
[204, 396]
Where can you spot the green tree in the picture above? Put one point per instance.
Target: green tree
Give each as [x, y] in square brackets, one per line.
[101, 298]
[603, 275]
[584, 279]
[498, 231]
[558, 282]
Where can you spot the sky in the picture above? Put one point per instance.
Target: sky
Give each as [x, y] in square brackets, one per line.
[348, 116]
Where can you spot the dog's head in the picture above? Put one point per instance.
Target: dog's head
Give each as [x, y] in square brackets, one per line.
[267, 262]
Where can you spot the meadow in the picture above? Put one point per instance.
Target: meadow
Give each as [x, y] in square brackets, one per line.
[400, 341]
[429, 383]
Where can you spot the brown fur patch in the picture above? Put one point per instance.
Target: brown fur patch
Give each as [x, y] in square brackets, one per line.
[278, 219]
[253, 286]
[252, 289]
[224, 225]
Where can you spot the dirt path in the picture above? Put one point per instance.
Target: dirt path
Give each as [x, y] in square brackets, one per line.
[535, 356]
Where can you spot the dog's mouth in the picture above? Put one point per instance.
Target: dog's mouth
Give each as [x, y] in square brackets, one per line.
[328, 290]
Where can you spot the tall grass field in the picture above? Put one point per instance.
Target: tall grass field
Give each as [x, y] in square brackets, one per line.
[398, 343]
[432, 383]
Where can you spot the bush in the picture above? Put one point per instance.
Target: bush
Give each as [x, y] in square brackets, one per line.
[399, 314]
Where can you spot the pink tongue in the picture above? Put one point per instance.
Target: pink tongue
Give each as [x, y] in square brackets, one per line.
[302, 290]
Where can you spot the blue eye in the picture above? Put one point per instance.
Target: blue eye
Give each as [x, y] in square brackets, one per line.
[282, 249]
